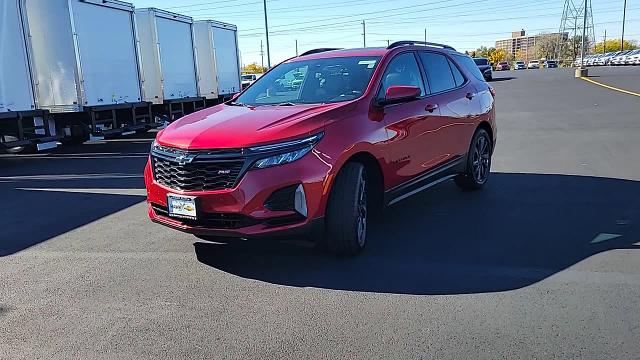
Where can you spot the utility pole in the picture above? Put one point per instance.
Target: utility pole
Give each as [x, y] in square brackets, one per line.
[266, 31]
[584, 34]
[261, 55]
[388, 42]
[425, 34]
[624, 15]
[296, 47]
[364, 34]
[604, 43]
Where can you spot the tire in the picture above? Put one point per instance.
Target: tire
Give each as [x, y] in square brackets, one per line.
[489, 78]
[478, 165]
[346, 215]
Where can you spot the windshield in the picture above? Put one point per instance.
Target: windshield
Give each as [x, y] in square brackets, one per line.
[312, 81]
[481, 61]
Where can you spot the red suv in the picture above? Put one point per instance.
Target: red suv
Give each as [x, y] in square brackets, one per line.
[322, 142]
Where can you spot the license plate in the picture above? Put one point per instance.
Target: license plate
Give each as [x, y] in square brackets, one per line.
[181, 206]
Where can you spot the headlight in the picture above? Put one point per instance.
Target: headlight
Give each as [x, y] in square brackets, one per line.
[282, 158]
[291, 151]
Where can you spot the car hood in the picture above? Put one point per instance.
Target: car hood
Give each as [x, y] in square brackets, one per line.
[226, 126]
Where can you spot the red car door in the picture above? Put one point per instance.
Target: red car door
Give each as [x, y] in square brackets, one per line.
[413, 125]
[458, 103]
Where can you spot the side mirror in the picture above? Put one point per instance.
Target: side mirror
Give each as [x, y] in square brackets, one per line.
[399, 94]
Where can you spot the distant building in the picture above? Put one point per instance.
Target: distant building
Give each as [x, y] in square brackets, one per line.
[525, 44]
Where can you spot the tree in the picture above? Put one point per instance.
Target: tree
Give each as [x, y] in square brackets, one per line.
[546, 47]
[254, 68]
[614, 45]
[497, 55]
[521, 55]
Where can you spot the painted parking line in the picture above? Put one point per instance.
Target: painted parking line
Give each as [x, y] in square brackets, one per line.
[611, 87]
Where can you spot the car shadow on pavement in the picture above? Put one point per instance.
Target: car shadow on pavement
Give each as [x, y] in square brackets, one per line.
[506, 78]
[48, 194]
[520, 229]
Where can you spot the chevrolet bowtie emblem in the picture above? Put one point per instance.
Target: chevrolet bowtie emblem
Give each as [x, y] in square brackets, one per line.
[185, 159]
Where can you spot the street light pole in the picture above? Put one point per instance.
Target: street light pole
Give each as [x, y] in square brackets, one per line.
[266, 30]
[624, 15]
[364, 34]
[584, 35]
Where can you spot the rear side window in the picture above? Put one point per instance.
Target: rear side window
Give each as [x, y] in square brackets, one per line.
[402, 70]
[468, 63]
[457, 75]
[438, 71]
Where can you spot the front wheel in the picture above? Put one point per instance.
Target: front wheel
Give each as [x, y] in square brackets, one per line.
[346, 217]
[478, 162]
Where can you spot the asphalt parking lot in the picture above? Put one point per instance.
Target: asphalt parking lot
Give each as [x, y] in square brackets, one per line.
[544, 263]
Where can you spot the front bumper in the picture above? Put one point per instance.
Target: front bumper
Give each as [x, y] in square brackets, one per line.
[240, 211]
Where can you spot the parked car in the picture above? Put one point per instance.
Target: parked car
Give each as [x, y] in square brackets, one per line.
[519, 65]
[533, 64]
[367, 128]
[634, 58]
[549, 64]
[248, 79]
[503, 65]
[629, 56]
[619, 59]
[603, 59]
[485, 67]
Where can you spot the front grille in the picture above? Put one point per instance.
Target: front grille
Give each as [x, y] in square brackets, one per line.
[212, 220]
[197, 176]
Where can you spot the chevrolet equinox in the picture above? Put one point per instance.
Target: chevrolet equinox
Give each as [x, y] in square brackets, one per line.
[322, 142]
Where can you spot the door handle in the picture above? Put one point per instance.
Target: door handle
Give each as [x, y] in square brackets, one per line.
[469, 95]
[431, 107]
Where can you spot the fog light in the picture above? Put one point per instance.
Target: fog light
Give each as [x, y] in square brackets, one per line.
[300, 201]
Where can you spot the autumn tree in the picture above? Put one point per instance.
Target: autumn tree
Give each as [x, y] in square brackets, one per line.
[254, 68]
[498, 55]
[614, 45]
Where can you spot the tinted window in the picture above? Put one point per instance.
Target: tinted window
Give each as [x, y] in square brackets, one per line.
[312, 81]
[438, 71]
[481, 61]
[402, 70]
[468, 63]
[457, 75]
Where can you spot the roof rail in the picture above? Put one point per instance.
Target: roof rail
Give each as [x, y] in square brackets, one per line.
[315, 51]
[410, 42]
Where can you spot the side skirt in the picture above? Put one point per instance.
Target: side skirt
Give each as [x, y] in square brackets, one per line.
[428, 179]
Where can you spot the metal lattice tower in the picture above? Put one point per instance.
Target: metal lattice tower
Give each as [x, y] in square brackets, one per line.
[572, 24]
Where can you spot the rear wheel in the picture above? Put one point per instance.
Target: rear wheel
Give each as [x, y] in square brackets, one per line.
[346, 218]
[478, 162]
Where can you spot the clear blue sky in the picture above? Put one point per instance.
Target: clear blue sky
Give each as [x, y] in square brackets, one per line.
[464, 24]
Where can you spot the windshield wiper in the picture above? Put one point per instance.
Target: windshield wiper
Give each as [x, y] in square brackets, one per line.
[285, 104]
[234, 103]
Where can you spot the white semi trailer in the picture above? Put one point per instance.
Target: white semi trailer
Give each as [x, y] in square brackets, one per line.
[86, 65]
[21, 123]
[169, 62]
[218, 59]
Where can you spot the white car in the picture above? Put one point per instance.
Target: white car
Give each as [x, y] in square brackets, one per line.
[619, 59]
[248, 79]
[519, 65]
[633, 58]
[604, 59]
[534, 64]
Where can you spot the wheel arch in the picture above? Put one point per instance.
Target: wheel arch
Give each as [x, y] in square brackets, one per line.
[374, 175]
[485, 125]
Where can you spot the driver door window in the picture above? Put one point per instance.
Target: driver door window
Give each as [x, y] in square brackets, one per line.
[402, 70]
